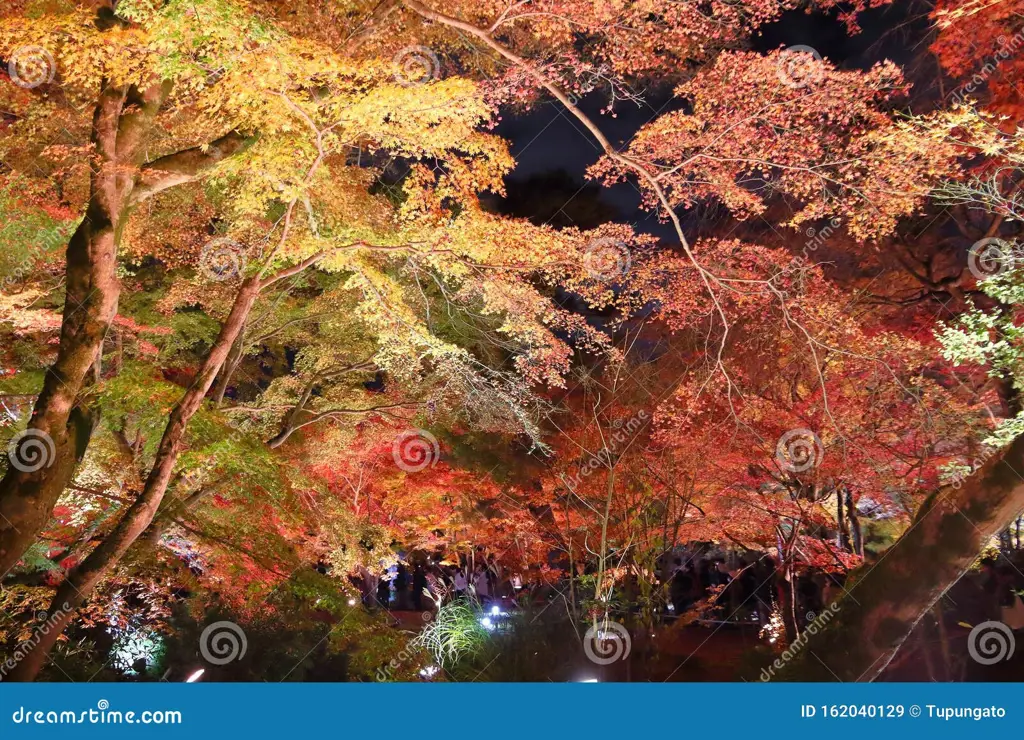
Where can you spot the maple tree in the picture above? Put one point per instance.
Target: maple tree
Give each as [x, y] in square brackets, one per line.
[977, 43]
[252, 271]
[337, 238]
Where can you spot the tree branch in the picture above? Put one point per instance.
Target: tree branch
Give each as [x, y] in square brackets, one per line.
[185, 166]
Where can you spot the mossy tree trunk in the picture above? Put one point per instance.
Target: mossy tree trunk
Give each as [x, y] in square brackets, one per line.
[884, 601]
[82, 581]
[123, 120]
[28, 492]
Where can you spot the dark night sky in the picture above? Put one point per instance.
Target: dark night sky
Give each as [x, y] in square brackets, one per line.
[548, 139]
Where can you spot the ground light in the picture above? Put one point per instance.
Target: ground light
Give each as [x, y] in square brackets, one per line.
[195, 676]
[493, 615]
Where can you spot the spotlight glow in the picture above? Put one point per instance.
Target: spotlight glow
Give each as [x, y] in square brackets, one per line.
[195, 676]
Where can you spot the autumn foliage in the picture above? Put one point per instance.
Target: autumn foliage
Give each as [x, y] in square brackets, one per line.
[250, 252]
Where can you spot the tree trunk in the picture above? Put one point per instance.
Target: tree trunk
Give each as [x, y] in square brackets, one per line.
[291, 421]
[230, 366]
[122, 118]
[855, 533]
[28, 492]
[81, 582]
[787, 602]
[602, 562]
[842, 535]
[885, 600]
